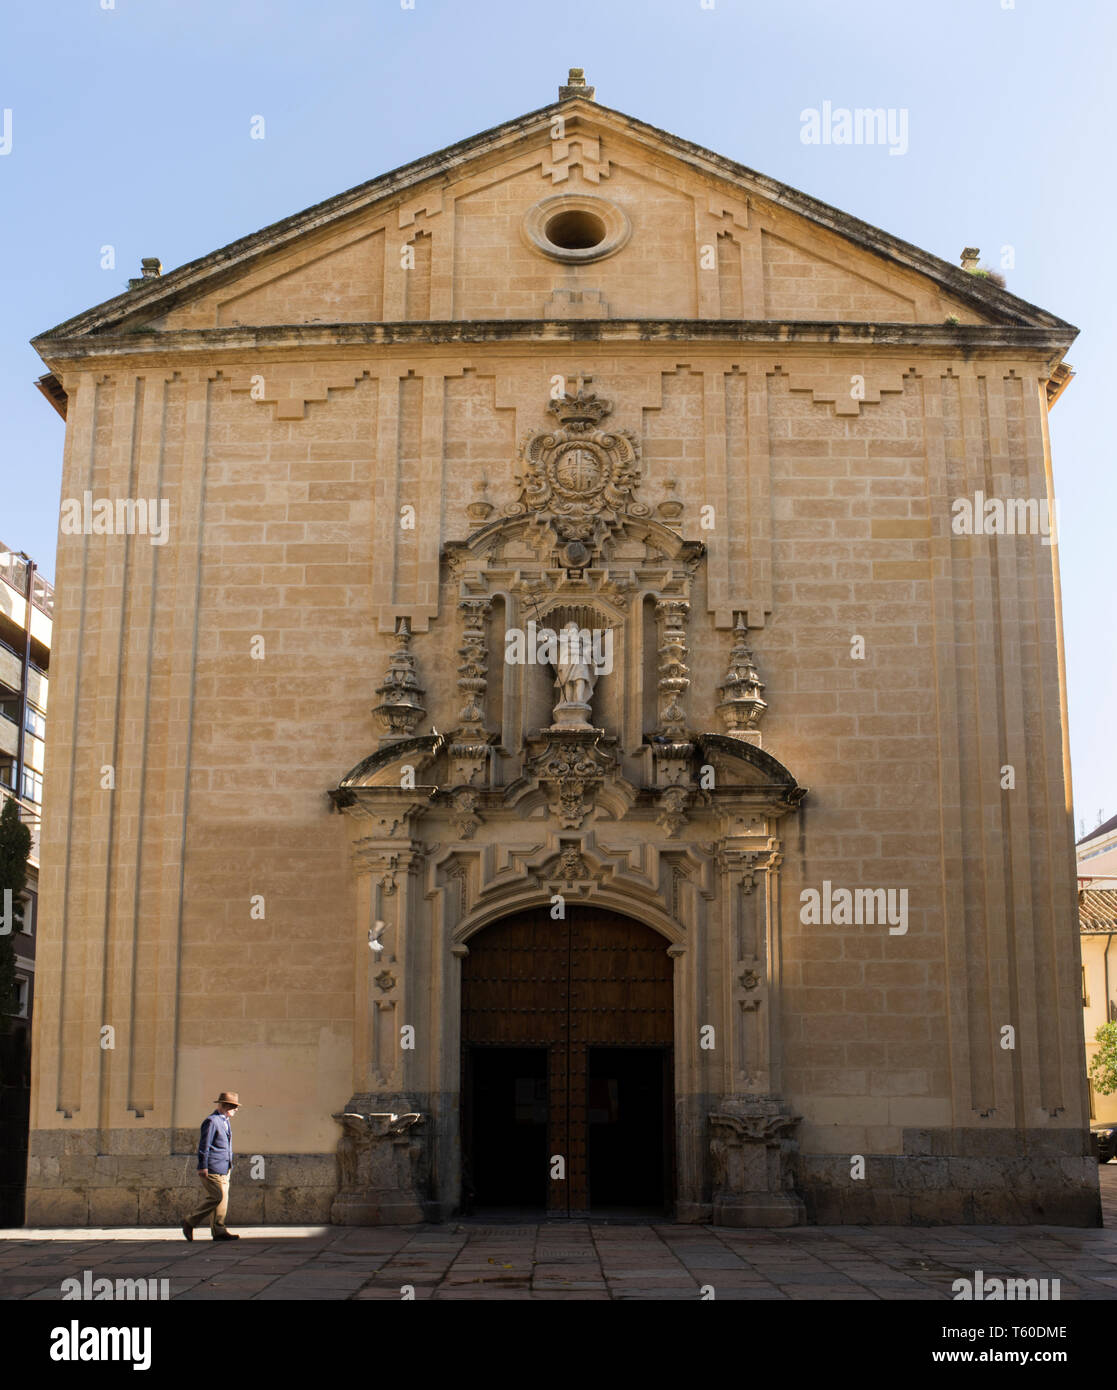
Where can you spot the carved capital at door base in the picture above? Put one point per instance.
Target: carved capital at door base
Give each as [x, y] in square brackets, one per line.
[753, 1150]
[383, 1159]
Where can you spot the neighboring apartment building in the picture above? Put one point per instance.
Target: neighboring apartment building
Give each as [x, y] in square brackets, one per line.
[1097, 924]
[1097, 856]
[26, 620]
[25, 638]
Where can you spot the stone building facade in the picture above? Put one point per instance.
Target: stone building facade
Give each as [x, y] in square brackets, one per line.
[465, 915]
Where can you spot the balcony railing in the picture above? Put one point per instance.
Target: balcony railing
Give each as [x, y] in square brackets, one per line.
[13, 571]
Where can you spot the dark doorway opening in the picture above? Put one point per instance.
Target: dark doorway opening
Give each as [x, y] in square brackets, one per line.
[507, 1144]
[567, 1031]
[626, 1126]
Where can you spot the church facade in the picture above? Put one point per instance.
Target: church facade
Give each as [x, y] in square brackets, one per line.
[567, 748]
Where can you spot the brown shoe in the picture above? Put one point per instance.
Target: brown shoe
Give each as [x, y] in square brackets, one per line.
[225, 1235]
[188, 1231]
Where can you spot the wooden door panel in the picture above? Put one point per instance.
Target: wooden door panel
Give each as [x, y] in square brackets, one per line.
[594, 978]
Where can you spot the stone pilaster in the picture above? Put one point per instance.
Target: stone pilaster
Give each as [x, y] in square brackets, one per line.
[674, 673]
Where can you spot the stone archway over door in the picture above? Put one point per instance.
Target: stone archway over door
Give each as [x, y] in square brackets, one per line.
[567, 1033]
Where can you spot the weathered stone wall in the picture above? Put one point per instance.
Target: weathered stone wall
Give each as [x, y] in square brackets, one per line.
[829, 520]
[148, 1177]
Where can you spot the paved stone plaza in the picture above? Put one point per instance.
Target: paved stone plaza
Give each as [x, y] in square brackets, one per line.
[570, 1260]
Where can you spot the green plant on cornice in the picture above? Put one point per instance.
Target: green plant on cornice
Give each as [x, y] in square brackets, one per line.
[985, 272]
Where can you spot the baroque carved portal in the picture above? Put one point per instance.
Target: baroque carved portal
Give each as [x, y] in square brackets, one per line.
[559, 772]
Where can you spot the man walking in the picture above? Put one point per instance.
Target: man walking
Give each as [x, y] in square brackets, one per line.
[215, 1164]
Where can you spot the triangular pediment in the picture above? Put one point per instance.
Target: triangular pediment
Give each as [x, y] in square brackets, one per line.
[462, 235]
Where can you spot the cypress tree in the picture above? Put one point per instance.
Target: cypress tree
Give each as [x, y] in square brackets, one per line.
[15, 846]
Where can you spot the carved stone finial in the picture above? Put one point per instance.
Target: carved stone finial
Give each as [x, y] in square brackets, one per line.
[400, 709]
[970, 257]
[575, 86]
[742, 707]
[151, 267]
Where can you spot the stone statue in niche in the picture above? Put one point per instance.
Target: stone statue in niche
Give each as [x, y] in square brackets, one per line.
[575, 677]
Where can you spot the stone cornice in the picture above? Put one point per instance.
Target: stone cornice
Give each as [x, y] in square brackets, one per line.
[955, 340]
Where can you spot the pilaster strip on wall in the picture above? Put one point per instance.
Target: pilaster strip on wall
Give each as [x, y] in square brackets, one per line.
[362, 973]
[188, 594]
[70, 653]
[1048, 975]
[104, 721]
[716, 495]
[144, 926]
[120, 863]
[756, 601]
[965, 468]
[739, 501]
[942, 487]
[431, 500]
[386, 501]
[1023, 1058]
[989, 913]
[1053, 822]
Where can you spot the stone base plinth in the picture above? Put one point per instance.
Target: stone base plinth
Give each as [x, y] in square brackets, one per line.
[693, 1213]
[960, 1177]
[383, 1162]
[377, 1209]
[148, 1177]
[753, 1149]
[760, 1209]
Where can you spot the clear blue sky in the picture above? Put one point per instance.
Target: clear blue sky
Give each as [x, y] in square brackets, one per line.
[130, 128]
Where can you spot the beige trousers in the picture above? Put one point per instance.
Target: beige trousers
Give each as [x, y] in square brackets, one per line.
[212, 1212]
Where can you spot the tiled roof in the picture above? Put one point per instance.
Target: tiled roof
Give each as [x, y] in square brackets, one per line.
[1097, 909]
[1110, 824]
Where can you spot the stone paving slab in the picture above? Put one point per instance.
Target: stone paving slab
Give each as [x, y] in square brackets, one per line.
[580, 1259]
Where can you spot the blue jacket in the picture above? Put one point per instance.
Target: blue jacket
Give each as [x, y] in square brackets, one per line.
[215, 1146]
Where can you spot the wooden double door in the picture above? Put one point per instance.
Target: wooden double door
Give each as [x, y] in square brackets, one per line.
[567, 1086]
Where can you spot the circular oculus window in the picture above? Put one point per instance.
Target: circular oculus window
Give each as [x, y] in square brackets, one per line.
[574, 229]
